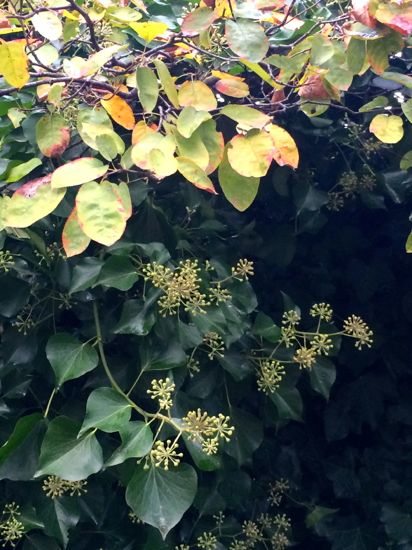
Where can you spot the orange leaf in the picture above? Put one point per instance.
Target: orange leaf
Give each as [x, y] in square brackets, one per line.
[194, 93]
[141, 130]
[286, 152]
[120, 111]
[251, 155]
[232, 88]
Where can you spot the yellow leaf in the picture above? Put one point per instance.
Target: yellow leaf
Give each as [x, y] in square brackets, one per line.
[286, 152]
[120, 111]
[149, 29]
[13, 62]
[387, 128]
[140, 131]
[191, 171]
[251, 155]
[197, 94]
[155, 153]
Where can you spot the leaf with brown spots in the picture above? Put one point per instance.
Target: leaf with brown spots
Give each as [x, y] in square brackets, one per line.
[52, 135]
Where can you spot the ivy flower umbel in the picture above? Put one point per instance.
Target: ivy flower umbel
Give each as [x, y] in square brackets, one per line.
[214, 342]
[165, 453]
[305, 357]
[270, 375]
[11, 528]
[206, 429]
[322, 344]
[321, 310]
[243, 270]
[355, 327]
[55, 487]
[162, 391]
[207, 541]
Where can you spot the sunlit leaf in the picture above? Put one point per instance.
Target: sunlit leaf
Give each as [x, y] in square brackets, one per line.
[52, 135]
[78, 171]
[194, 93]
[239, 190]
[251, 155]
[214, 143]
[247, 39]
[378, 51]
[286, 151]
[33, 201]
[149, 30]
[119, 110]
[193, 173]
[396, 16]
[246, 116]
[18, 172]
[100, 212]
[74, 239]
[147, 88]
[13, 62]
[140, 130]
[48, 24]
[387, 128]
[155, 153]
[190, 119]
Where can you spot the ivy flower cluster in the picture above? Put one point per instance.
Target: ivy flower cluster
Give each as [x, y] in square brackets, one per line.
[11, 527]
[207, 430]
[349, 186]
[162, 390]
[55, 487]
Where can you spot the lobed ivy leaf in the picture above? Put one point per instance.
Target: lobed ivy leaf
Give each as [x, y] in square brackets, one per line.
[106, 410]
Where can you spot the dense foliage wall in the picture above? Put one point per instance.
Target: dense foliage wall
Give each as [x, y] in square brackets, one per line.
[205, 321]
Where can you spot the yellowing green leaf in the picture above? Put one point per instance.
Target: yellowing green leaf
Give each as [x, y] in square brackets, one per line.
[408, 244]
[214, 143]
[33, 201]
[155, 153]
[193, 148]
[193, 173]
[247, 39]
[247, 117]
[197, 21]
[286, 151]
[147, 88]
[239, 190]
[52, 135]
[48, 24]
[167, 82]
[100, 213]
[378, 51]
[18, 172]
[120, 111]
[376, 103]
[189, 120]
[92, 123]
[194, 93]
[251, 155]
[140, 130]
[74, 240]
[406, 161]
[13, 62]
[149, 29]
[78, 171]
[387, 128]
[356, 55]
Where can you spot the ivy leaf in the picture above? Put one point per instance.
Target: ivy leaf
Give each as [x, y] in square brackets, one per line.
[246, 438]
[85, 274]
[14, 62]
[239, 190]
[193, 173]
[322, 376]
[65, 455]
[106, 410]
[387, 128]
[161, 497]
[247, 39]
[119, 110]
[74, 240]
[266, 328]
[19, 455]
[194, 93]
[32, 201]
[137, 440]
[288, 403]
[69, 358]
[398, 523]
[78, 171]
[118, 272]
[52, 134]
[251, 155]
[147, 88]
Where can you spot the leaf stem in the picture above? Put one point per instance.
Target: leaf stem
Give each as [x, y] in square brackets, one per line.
[53, 393]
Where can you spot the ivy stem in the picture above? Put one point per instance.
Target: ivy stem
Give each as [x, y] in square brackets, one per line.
[46, 412]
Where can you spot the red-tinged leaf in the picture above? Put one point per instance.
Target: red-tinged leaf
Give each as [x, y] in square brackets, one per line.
[251, 155]
[286, 151]
[74, 240]
[100, 212]
[33, 201]
[78, 171]
[194, 93]
[124, 200]
[119, 110]
[141, 130]
[360, 12]
[193, 173]
[239, 190]
[197, 21]
[232, 88]
[52, 135]
[313, 88]
[397, 16]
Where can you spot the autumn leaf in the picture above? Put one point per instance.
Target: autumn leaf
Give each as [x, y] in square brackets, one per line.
[193, 173]
[251, 155]
[148, 30]
[74, 240]
[52, 135]
[286, 151]
[197, 21]
[194, 93]
[140, 131]
[232, 88]
[387, 128]
[14, 62]
[119, 110]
